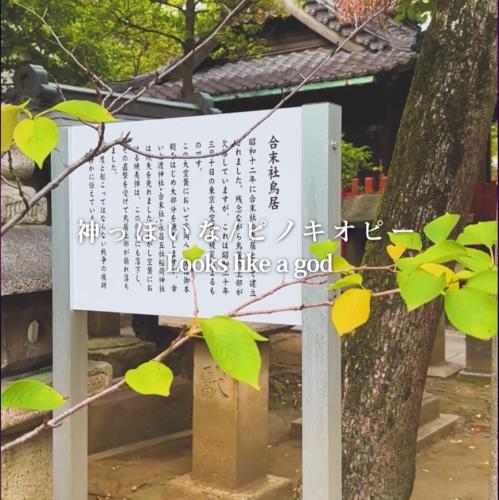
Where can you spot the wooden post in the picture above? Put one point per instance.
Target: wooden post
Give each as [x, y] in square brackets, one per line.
[69, 333]
[321, 347]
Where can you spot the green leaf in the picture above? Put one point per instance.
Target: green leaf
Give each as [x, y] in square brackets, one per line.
[341, 264]
[472, 311]
[351, 310]
[151, 377]
[485, 281]
[475, 260]
[9, 117]
[440, 228]
[419, 287]
[193, 253]
[482, 233]
[410, 240]
[443, 251]
[31, 395]
[36, 138]
[232, 346]
[348, 281]
[84, 110]
[322, 249]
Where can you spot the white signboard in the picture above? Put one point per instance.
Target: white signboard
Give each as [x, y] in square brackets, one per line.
[131, 216]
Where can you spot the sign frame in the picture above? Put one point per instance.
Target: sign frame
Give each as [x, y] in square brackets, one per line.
[321, 346]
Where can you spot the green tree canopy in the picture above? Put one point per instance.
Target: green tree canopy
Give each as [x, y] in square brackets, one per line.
[119, 39]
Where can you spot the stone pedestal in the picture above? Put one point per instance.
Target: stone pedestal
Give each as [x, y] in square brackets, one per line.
[121, 352]
[27, 469]
[439, 366]
[12, 202]
[230, 437]
[103, 324]
[478, 360]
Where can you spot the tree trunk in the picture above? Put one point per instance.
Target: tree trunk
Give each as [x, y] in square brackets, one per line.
[434, 167]
[189, 44]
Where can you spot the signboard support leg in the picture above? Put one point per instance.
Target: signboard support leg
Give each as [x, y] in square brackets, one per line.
[70, 365]
[321, 346]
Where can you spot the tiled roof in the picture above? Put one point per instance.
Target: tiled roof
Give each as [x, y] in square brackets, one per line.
[283, 70]
[382, 34]
[379, 47]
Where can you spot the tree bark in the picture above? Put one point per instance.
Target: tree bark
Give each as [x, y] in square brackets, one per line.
[439, 145]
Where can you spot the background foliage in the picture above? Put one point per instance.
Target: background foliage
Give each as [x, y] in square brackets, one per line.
[119, 39]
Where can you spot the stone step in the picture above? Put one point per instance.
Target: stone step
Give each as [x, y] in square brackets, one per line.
[430, 409]
[433, 425]
[435, 429]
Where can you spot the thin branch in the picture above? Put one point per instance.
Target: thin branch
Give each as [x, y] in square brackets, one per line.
[162, 74]
[184, 336]
[301, 307]
[274, 310]
[101, 148]
[126, 143]
[69, 53]
[168, 4]
[194, 295]
[57, 421]
[145, 29]
[279, 105]
[304, 280]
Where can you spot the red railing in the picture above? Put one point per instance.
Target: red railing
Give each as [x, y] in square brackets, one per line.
[372, 185]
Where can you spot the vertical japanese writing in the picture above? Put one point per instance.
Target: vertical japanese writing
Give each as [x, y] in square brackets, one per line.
[252, 209]
[149, 221]
[238, 209]
[103, 223]
[137, 223]
[186, 210]
[126, 221]
[211, 209]
[160, 168]
[173, 228]
[274, 174]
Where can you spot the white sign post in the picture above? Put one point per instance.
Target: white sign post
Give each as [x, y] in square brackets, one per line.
[124, 219]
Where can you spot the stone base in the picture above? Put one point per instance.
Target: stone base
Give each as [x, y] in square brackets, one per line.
[122, 353]
[12, 204]
[444, 369]
[27, 468]
[473, 376]
[271, 488]
[435, 429]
